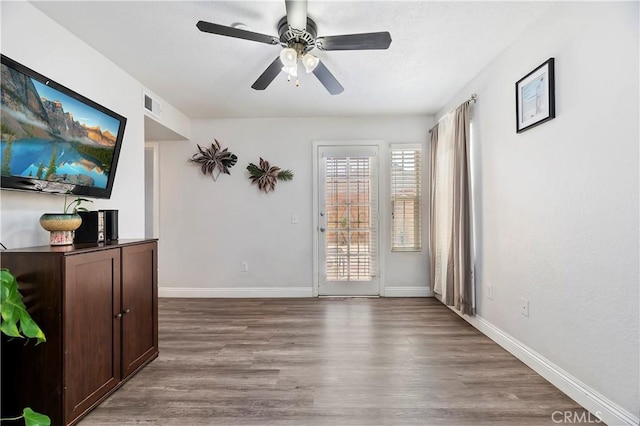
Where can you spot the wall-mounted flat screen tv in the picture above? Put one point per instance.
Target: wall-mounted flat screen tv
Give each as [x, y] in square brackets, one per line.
[54, 139]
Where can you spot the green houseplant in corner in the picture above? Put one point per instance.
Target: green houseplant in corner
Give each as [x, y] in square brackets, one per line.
[16, 322]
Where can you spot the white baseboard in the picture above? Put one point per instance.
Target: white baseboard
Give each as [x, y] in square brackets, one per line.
[232, 292]
[607, 410]
[247, 292]
[416, 291]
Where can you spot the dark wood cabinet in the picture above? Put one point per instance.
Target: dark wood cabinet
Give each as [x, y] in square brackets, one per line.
[97, 305]
[90, 329]
[139, 306]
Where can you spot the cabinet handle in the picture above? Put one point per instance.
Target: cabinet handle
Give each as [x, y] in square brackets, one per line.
[119, 315]
[126, 311]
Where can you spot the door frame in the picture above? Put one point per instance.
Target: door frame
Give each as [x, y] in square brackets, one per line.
[382, 195]
[154, 212]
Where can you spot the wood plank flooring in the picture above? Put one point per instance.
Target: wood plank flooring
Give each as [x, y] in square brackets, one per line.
[388, 361]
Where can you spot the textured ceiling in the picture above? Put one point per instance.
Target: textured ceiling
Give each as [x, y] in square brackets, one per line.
[437, 48]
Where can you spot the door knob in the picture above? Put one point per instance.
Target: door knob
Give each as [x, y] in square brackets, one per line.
[322, 229]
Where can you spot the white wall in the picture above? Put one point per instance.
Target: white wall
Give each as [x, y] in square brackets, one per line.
[168, 123]
[558, 204]
[54, 52]
[208, 228]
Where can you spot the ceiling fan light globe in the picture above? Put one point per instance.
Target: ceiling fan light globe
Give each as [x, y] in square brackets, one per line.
[288, 57]
[292, 71]
[310, 62]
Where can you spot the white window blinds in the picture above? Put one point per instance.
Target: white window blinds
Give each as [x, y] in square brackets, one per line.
[406, 197]
[351, 218]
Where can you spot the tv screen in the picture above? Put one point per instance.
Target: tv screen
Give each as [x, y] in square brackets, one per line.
[54, 139]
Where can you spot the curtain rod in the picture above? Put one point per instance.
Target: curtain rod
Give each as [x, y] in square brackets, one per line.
[473, 98]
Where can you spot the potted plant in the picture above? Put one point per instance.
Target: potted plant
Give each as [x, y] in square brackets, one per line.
[16, 322]
[62, 225]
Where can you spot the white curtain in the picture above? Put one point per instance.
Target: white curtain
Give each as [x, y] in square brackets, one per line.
[442, 186]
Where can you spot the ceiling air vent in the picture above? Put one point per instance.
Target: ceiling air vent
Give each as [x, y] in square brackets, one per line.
[151, 105]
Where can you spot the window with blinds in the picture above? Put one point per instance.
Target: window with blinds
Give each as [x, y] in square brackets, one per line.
[406, 198]
[350, 194]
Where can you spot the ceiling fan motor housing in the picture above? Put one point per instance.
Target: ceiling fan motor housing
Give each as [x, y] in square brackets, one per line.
[301, 40]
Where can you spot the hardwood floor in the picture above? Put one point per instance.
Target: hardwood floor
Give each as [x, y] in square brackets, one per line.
[387, 361]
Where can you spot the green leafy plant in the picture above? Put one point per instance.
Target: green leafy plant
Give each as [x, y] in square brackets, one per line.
[31, 418]
[74, 206]
[214, 160]
[266, 176]
[16, 322]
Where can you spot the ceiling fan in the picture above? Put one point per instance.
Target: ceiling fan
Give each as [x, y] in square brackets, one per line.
[298, 36]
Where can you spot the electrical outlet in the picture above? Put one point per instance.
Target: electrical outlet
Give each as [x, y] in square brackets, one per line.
[244, 266]
[490, 292]
[524, 307]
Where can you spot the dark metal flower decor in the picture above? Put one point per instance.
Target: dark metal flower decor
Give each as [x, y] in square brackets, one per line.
[266, 176]
[214, 160]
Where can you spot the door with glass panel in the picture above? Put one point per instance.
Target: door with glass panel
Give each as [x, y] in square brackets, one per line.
[348, 221]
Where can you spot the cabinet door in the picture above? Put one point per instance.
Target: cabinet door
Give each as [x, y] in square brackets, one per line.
[139, 305]
[91, 331]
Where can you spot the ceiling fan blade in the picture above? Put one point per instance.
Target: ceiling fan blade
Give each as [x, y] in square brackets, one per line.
[327, 79]
[365, 41]
[268, 75]
[297, 13]
[208, 27]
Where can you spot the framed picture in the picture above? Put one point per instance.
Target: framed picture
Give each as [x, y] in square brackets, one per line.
[535, 97]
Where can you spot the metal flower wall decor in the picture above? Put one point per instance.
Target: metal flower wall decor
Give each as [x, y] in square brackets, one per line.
[266, 176]
[214, 160]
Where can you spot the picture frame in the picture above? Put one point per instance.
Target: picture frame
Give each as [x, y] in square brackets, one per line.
[535, 97]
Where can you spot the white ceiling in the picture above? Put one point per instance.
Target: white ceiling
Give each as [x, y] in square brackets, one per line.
[437, 48]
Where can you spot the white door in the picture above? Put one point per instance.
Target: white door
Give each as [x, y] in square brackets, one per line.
[348, 221]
